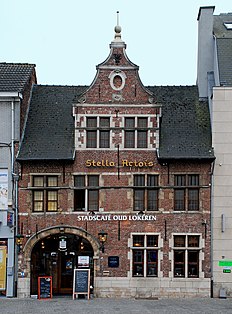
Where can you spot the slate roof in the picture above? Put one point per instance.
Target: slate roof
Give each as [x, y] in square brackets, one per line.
[224, 47]
[49, 132]
[185, 131]
[14, 76]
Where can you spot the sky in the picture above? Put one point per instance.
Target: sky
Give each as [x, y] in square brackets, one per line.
[66, 39]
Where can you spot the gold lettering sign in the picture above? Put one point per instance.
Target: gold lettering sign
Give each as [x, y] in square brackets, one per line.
[124, 163]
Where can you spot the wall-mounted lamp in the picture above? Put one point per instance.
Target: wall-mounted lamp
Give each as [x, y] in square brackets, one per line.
[19, 241]
[102, 238]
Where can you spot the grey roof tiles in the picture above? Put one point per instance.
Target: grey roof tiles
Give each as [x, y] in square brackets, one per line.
[49, 132]
[185, 131]
[14, 76]
[224, 47]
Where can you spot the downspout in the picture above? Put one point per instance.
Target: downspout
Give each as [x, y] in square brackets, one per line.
[15, 178]
[211, 227]
[12, 140]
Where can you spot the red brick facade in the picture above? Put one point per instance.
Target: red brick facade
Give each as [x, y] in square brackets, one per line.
[118, 93]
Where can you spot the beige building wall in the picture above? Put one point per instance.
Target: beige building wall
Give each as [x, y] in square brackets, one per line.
[222, 191]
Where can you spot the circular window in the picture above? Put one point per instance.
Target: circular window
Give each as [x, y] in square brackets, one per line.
[117, 80]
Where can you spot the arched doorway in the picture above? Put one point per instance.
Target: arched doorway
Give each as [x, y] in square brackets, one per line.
[57, 254]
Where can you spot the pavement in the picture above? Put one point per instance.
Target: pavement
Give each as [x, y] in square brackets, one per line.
[111, 306]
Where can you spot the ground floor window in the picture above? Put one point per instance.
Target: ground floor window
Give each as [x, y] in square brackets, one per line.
[186, 251]
[145, 255]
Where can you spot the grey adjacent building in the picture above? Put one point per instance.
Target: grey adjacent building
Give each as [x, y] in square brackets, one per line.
[15, 86]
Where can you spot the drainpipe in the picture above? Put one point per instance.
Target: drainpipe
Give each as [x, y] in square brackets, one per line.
[12, 139]
[211, 226]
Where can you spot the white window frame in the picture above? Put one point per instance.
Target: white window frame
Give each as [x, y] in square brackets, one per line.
[186, 249]
[145, 248]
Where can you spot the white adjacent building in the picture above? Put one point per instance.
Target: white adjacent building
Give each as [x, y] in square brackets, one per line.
[215, 83]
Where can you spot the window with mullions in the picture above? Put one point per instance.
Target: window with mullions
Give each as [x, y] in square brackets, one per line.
[98, 132]
[104, 133]
[45, 194]
[146, 192]
[186, 256]
[135, 133]
[186, 192]
[145, 256]
[86, 192]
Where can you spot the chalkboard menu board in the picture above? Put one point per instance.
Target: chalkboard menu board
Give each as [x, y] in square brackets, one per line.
[81, 282]
[45, 287]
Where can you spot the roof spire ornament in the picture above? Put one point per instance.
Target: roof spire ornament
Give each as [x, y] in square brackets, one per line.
[117, 42]
[117, 29]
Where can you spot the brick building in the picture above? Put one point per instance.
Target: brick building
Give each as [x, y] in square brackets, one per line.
[124, 163]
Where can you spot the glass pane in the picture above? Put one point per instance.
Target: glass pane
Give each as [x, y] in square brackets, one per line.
[38, 206]
[91, 122]
[104, 139]
[142, 122]
[139, 199]
[129, 139]
[52, 181]
[193, 179]
[38, 200]
[193, 241]
[152, 180]
[79, 200]
[138, 240]
[152, 200]
[93, 180]
[91, 139]
[138, 267]
[38, 181]
[193, 199]
[179, 263]
[38, 195]
[179, 180]
[105, 122]
[129, 123]
[79, 181]
[139, 180]
[52, 206]
[179, 199]
[52, 195]
[152, 257]
[93, 200]
[52, 200]
[193, 264]
[179, 241]
[142, 139]
[152, 240]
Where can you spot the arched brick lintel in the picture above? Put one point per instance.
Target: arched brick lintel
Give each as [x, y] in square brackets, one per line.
[60, 229]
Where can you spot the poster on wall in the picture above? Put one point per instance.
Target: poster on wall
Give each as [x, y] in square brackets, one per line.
[83, 261]
[3, 252]
[3, 189]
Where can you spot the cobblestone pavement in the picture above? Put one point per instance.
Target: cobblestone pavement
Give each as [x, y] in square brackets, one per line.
[110, 306]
